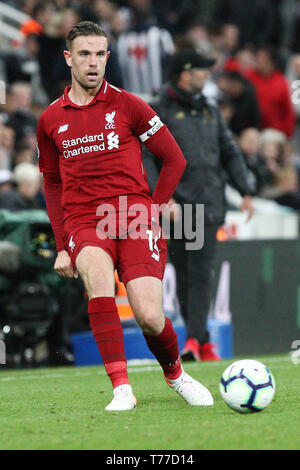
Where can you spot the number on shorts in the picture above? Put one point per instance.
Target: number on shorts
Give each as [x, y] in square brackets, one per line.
[153, 246]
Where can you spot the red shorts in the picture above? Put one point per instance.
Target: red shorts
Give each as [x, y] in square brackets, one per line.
[132, 258]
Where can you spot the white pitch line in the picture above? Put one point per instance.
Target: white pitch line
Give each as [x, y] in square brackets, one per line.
[133, 367]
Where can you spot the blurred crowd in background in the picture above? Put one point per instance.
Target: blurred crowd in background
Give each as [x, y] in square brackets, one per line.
[256, 79]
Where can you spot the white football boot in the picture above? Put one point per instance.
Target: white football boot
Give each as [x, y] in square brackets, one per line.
[193, 392]
[123, 399]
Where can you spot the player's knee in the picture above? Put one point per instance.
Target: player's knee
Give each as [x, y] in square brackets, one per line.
[99, 288]
[151, 322]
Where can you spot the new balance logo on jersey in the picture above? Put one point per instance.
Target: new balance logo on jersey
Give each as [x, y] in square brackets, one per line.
[112, 141]
[72, 244]
[109, 117]
[63, 128]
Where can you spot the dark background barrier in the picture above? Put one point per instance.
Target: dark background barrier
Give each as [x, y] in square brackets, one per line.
[256, 297]
[264, 294]
[256, 288]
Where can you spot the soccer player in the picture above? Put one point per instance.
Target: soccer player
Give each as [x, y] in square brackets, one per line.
[90, 155]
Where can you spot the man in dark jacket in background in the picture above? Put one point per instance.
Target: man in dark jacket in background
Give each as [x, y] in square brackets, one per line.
[211, 152]
[242, 97]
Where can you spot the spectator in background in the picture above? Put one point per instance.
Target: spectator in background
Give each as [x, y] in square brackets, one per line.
[22, 65]
[230, 36]
[224, 39]
[39, 15]
[173, 15]
[120, 22]
[105, 11]
[24, 154]
[242, 96]
[273, 148]
[282, 185]
[286, 183]
[22, 120]
[254, 19]
[17, 63]
[249, 143]
[6, 181]
[195, 35]
[226, 108]
[143, 51]
[7, 143]
[25, 196]
[273, 92]
[284, 188]
[241, 60]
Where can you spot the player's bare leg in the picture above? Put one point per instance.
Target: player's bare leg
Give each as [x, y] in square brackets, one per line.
[145, 297]
[97, 272]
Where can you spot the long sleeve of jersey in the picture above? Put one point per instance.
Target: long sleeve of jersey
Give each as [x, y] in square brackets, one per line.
[49, 166]
[164, 146]
[53, 192]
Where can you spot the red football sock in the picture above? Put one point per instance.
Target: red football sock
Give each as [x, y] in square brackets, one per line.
[165, 348]
[108, 333]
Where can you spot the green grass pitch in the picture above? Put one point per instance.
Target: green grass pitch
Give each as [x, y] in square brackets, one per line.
[63, 408]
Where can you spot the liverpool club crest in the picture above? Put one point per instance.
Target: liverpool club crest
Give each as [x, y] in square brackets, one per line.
[110, 123]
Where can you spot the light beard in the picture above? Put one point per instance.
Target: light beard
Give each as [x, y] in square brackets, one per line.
[88, 87]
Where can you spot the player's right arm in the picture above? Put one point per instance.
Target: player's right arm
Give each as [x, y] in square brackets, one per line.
[49, 166]
[63, 265]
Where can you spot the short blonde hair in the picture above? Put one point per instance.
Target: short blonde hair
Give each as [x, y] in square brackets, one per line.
[26, 172]
[272, 135]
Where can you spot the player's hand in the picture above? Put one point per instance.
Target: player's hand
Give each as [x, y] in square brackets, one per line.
[247, 206]
[63, 265]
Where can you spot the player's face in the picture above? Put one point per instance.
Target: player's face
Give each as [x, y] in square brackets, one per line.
[88, 58]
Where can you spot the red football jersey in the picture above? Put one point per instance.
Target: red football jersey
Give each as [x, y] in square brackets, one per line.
[96, 148]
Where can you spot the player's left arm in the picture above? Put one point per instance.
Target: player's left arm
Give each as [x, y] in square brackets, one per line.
[156, 136]
[164, 146]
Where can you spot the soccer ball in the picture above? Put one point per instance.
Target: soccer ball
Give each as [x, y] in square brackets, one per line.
[247, 386]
